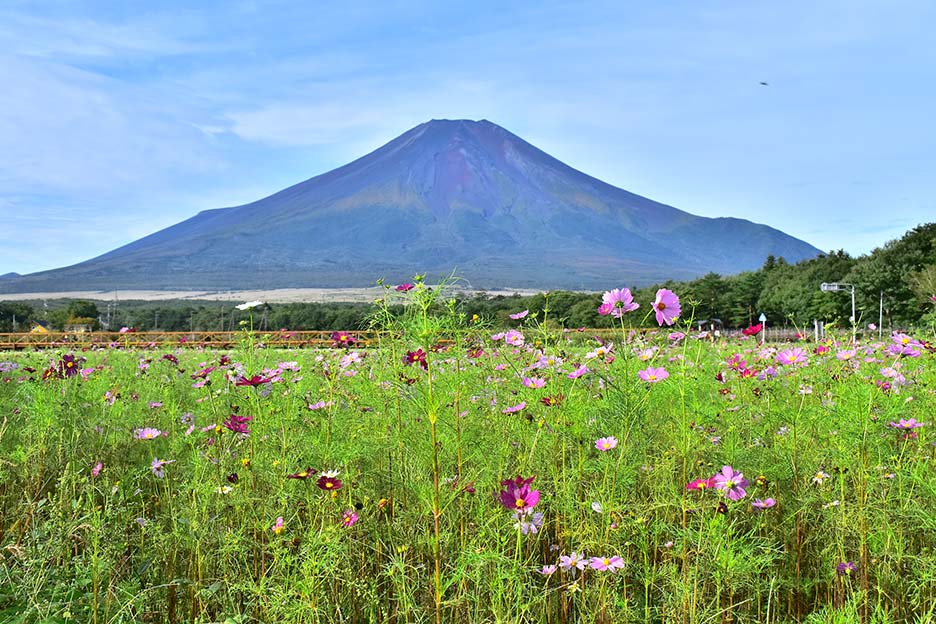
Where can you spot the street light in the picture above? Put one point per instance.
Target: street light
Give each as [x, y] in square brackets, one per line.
[837, 286]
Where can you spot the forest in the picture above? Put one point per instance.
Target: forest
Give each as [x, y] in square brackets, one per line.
[894, 285]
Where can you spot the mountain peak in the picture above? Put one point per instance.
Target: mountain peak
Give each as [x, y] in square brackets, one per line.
[447, 195]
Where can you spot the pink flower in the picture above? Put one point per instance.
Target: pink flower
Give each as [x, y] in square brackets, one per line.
[617, 302]
[278, 526]
[147, 433]
[578, 372]
[514, 338]
[653, 375]
[795, 355]
[574, 561]
[767, 503]
[97, 469]
[731, 483]
[519, 315]
[606, 444]
[603, 564]
[666, 306]
[514, 408]
[349, 518]
[534, 382]
[404, 287]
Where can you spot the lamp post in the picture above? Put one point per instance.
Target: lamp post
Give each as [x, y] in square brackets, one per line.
[837, 286]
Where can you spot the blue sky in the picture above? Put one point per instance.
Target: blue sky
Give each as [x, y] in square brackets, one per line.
[120, 118]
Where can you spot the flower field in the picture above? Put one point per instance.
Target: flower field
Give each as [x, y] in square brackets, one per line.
[459, 473]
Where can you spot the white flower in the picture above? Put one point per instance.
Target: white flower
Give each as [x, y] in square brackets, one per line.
[249, 304]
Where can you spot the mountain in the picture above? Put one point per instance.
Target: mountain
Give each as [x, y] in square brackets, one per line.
[447, 195]
[9, 275]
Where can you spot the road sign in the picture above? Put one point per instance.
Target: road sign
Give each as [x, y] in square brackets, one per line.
[762, 318]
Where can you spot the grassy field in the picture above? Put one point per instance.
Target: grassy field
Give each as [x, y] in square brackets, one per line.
[458, 474]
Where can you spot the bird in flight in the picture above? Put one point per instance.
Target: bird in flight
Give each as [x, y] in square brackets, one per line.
[764, 84]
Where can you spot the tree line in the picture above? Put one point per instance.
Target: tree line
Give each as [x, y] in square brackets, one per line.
[896, 281]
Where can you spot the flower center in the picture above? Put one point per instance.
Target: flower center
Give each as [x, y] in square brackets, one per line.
[520, 503]
[729, 484]
[661, 306]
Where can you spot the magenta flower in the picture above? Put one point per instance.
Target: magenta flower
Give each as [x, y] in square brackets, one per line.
[514, 408]
[603, 564]
[97, 469]
[404, 287]
[906, 425]
[617, 302]
[518, 496]
[578, 372]
[519, 315]
[731, 483]
[666, 306]
[653, 375]
[349, 518]
[767, 503]
[701, 484]
[606, 444]
[238, 424]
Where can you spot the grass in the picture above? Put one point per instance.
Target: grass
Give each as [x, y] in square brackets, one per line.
[422, 454]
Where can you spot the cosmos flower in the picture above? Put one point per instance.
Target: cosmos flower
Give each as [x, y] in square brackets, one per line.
[547, 570]
[404, 287]
[342, 339]
[617, 302]
[573, 561]
[653, 375]
[417, 356]
[533, 382]
[701, 484]
[766, 503]
[528, 523]
[238, 424]
[158, 466]
[578, 372]
[328, 483]
[147, 433]
[605, 564]
[795, 355]
[519, 315]
[255, 380]
[277, 527]
[731, 483]
[302, 474]
[846, 568]
[518, 496]
[606, 444]
[666, 306]
[514, 408]
[514, 338]
[349, 518]
[753, 330]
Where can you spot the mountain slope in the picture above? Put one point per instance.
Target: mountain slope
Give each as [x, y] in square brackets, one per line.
[462, 195]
